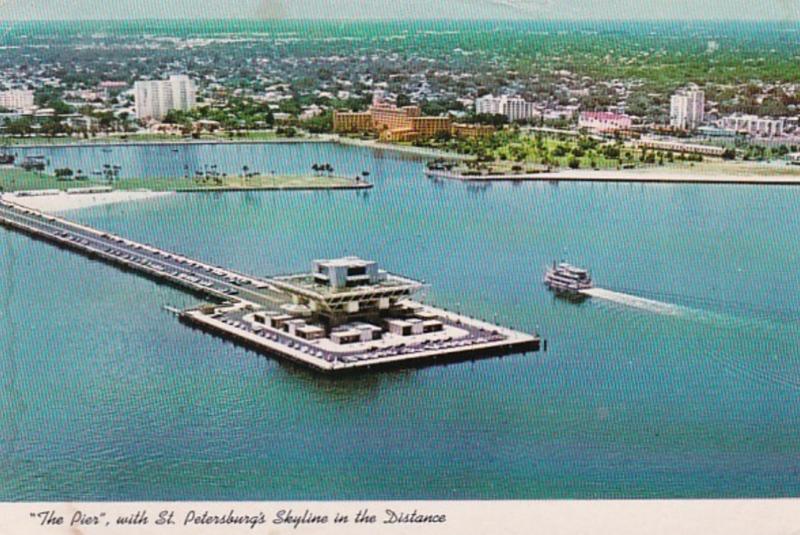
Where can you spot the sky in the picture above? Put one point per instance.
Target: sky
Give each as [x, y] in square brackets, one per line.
[400, 9]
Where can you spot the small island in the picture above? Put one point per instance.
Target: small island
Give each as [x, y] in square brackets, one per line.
[67, 190]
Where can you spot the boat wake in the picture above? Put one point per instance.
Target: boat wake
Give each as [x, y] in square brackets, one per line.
[769, 327]
[650, 305]
[765, 319]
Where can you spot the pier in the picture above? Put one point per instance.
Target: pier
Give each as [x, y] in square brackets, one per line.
[274, 315]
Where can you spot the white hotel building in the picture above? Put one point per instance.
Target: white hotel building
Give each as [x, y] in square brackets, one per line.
[754, 125]
[154, 98]
[515, 108]
[16, 99]
[687, 109]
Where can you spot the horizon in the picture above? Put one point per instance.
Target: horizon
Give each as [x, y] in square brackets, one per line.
[409, 20]
[401, 10]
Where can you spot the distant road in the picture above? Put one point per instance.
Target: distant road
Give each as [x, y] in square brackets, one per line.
[647, 175]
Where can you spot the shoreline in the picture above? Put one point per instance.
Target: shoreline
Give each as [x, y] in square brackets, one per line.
[422, 152]
[298, 187]
[168, 142]
[65, 202]
[631, 176]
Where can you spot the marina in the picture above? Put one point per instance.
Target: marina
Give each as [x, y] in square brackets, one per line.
[346, 315]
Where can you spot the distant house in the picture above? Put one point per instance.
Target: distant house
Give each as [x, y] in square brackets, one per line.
[206, 125]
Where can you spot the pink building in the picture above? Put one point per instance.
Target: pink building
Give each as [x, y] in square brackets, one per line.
[603, 121]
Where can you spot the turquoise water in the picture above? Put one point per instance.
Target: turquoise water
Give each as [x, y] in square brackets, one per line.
[106, 396]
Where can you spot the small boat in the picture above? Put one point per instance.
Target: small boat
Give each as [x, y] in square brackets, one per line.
[568, 280]
[35, 162]
[7, 157]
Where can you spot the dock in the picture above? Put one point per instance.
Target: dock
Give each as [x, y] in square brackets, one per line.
[239, 300]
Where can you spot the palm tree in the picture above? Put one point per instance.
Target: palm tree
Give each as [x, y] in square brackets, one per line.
[245, 169]
[315, 168]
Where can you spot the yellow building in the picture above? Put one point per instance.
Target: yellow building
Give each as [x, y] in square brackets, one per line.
[391, 123]
[430, 126]
[350, 122]
[399, 134]
[389, 117]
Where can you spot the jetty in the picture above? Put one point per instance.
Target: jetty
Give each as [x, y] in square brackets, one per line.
[344, 315]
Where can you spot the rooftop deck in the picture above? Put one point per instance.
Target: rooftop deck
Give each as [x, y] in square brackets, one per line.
[306, 285]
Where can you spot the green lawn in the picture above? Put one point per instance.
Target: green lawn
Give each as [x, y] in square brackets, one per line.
[17, 180]
[12, 179]
[234, 182]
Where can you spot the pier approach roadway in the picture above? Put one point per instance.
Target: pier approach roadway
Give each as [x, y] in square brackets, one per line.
[200, 277]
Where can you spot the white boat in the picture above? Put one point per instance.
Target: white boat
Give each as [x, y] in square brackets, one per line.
[567, 279]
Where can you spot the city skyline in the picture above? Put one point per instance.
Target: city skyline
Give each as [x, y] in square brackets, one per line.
[15, 10]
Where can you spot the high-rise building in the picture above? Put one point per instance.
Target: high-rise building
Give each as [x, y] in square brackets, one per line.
[154, 98]
[687, 109]
[16, 99]
[489, 105]
[514, 108]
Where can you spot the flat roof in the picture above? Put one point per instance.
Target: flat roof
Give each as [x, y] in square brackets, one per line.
[346, 261]
[310, 328]
[306, 285]
[365, 327]
[345, 332]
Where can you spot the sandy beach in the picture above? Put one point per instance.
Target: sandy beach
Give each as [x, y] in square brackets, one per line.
[64, 202]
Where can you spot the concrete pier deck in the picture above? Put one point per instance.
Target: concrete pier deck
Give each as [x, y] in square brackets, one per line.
[462, 338]
[239, 296]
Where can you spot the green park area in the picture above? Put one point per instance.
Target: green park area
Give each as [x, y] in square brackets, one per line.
[513, 151]
[12, 179]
